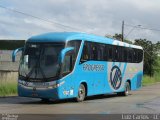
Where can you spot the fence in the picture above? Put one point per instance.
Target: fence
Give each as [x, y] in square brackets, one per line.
[8, 69]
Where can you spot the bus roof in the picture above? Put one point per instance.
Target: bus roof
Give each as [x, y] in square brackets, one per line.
[66, 36]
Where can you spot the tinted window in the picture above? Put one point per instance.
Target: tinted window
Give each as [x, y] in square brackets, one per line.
[93, 51]
[105, 52]
[110, 53]
[85, 53]
[70, 57]
[101, 51]
[140, 55]
[130, 55]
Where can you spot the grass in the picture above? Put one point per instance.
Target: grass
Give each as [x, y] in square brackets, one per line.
[8, 83]
[8, 89]
[147, 80]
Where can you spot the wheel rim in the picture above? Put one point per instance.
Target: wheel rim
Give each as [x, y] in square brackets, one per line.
[127, 89]
[81, 93]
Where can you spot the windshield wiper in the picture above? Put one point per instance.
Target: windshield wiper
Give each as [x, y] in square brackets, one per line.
[42, 72]
[30, 73]
[34, 68]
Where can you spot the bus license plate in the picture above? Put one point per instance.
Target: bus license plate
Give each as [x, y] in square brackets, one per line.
[34, 94]
[40, 84]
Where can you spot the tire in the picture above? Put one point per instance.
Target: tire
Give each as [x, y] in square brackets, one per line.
[81, 93]
[126, 91]
[45, 100]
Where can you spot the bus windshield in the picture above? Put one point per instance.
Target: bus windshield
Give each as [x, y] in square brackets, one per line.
[40, 61]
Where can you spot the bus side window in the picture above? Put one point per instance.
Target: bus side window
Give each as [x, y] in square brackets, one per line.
[106, 53]
[85, 55]
[93, 51]
[119, 49]
[115, 53]
[124, 54]
[110, 53]
[101, 52]
[130, 55]
[135, 56]
[140, 55]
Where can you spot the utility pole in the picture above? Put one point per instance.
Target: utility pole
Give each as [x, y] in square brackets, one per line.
[122, 30]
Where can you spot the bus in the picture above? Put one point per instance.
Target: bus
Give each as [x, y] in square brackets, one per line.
[62, 65]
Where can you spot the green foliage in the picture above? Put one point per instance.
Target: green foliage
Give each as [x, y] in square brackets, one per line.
[150, 55]
[147, 80]
[11, 44]
[8, 88]
[157, 66]
[119, 37]
[128, 41]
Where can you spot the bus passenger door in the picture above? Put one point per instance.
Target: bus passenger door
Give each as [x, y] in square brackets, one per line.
[67, 68]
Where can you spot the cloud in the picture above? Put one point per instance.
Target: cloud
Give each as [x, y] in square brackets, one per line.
[93, 16]
[146, 5]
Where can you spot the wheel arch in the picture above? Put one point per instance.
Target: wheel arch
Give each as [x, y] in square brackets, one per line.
[129, 81]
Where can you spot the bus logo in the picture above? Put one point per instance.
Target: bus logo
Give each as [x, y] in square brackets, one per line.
[115, 77]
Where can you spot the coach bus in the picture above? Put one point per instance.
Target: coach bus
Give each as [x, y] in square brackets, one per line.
[62, 65]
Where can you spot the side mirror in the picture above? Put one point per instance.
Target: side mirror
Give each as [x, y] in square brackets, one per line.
[63, 53]
[14, 53]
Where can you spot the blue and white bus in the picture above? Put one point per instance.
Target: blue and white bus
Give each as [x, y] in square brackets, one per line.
[64, 65]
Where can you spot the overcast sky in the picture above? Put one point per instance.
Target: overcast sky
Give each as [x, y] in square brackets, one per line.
[92, 16]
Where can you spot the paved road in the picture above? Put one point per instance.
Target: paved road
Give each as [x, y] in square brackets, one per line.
[145, 100]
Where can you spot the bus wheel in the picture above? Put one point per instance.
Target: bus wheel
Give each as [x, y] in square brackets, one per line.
[81, 93]
[127, 90]
[44, 100]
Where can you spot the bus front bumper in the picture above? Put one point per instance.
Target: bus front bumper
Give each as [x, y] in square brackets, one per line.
[49, 93]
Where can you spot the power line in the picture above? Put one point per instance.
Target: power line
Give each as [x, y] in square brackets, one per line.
[66, 26]
[122, 30]
[42, 19]
[131, 30]
[139, 27]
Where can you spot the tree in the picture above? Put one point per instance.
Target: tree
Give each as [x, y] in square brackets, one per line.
[150, 55]
[118, 37]
[157, 46]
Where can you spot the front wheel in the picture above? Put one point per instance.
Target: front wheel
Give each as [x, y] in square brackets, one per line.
[126, 91]
[81, 93]
[45, 100]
